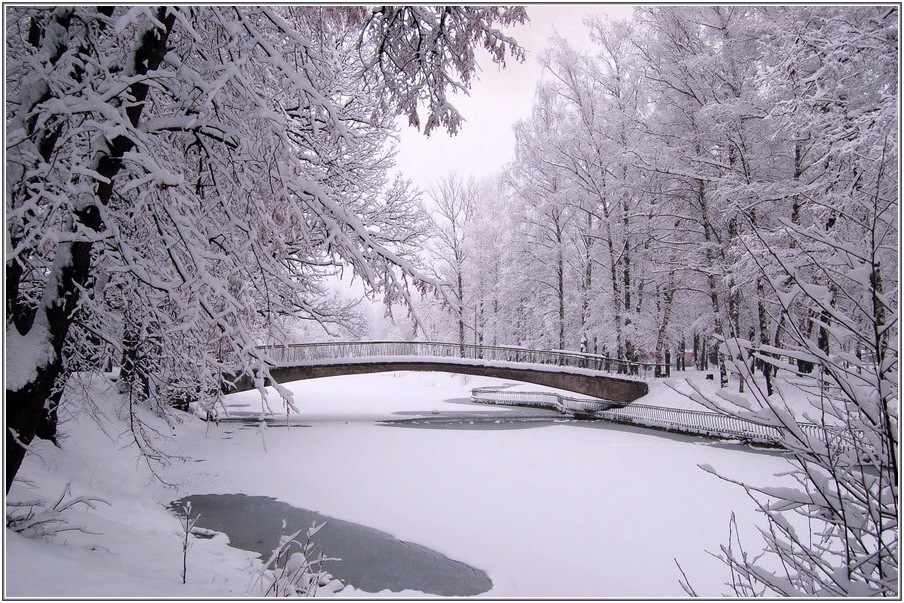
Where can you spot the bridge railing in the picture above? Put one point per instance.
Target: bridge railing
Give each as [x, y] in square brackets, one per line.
[695, 422]
[305, 352]
[499, 395]
[715, 424]
[692, 421]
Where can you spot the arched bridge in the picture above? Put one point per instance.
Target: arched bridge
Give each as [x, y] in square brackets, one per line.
[615, 382]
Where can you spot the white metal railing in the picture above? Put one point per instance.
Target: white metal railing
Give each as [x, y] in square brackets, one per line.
[694, 422]
[307, 352]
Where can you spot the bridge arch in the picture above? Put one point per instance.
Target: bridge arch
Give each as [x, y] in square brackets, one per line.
[570, 371]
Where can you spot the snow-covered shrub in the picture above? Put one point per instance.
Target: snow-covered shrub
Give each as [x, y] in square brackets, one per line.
[39, 519]
[294, 569]
[187, 522]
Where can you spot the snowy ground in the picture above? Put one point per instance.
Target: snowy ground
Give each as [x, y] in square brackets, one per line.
[553, 509]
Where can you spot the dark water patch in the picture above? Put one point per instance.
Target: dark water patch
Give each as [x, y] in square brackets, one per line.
[254, 423]
[475, 423]
[370, 560]
[478, 417]
[485, 410]
[472, 403]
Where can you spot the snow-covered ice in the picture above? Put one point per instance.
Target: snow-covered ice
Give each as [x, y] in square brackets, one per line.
[554, 509]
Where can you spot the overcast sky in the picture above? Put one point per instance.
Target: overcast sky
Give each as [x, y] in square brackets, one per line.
[501, 97]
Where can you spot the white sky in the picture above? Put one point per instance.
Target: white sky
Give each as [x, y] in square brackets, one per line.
[501, 97]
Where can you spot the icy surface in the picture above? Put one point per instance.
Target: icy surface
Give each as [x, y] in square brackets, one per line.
[555, 509]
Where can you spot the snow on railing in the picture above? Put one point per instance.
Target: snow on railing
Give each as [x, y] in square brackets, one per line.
[694, 422]
[307, 352]
[500, 394]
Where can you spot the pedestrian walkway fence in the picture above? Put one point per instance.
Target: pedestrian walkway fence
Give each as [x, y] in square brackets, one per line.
[694, 422]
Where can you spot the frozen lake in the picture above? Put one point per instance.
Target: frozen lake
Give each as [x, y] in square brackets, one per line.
[545, 506]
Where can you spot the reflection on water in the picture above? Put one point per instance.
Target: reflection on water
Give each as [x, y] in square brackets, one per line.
[370, 560]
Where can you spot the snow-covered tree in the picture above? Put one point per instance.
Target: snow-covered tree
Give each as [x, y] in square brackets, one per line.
[835, 532]
[493, 243]
[545, 243]
[453, 204]
[751, 171]
[825, 262]
[183, 177]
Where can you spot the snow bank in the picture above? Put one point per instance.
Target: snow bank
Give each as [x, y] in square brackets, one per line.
[129, 548]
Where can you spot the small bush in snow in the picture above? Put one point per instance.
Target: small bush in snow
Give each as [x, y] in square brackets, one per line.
[34, 519]
[297, 573]
[188, 523]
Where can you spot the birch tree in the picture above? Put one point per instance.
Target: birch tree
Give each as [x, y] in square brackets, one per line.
[454, 203]
[830, 270]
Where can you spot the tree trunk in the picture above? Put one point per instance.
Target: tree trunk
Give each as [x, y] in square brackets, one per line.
[666, 314]
[616, 300]
[586, 281]
[764, 330]
[460, 293]
[72, 267]
[560, 283]
[711, 278]
[734, 302]
[47, 424]
[479, 326]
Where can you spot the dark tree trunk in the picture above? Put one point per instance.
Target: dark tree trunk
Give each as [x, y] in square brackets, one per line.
[23, 410]
[47, 424]
[25, 405]
[699, 356]
[764, 331]
[664, 304]
[560, 283]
